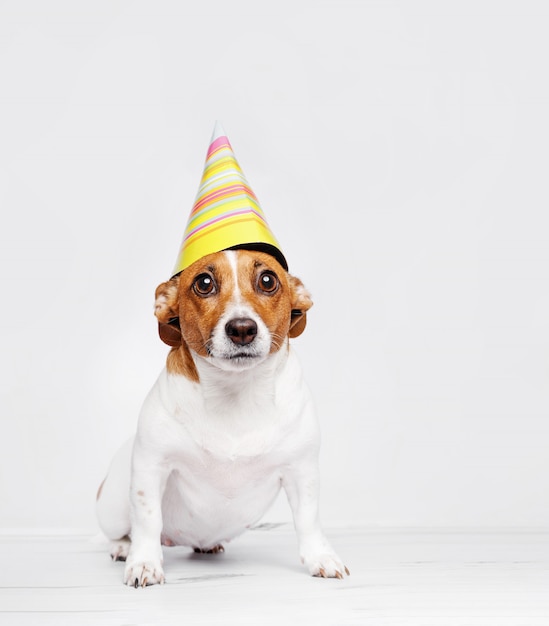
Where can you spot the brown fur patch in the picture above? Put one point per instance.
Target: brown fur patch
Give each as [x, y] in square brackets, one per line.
[199, 315]
[181, 362]
[273, 308]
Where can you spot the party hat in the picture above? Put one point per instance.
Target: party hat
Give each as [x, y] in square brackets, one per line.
[226, 213]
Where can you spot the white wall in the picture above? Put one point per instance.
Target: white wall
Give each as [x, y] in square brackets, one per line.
[400, 151]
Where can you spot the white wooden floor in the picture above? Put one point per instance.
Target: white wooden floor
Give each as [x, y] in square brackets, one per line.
[408, 579]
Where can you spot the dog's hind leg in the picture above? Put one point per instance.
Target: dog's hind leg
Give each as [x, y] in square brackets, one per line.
[113, 504]
[120, 549]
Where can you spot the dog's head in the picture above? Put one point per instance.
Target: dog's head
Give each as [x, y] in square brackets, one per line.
[233, 308]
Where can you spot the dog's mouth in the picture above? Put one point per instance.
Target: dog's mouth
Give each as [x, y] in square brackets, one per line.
[231, 356]
[236, 361]
[242, 355]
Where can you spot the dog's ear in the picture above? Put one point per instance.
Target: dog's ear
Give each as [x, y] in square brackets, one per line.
[167, 314]
[301, 303]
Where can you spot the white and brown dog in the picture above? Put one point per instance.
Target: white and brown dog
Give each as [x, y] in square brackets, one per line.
[228, 422]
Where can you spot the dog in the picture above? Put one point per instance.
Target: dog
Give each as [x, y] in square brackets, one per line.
[228, 423]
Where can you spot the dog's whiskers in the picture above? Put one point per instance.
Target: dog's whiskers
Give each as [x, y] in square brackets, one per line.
[277, 340]
[197, 346]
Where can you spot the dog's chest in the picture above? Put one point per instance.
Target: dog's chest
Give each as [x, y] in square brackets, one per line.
[220, 422]
[228, 435]
[230, 443]
[222, 484]
[206, 472]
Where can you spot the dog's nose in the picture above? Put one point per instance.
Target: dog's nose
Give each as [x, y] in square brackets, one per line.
[241, 331]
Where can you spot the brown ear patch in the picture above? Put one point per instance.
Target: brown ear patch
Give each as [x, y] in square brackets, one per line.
[298, 321]
[165, 300]
[170, 333]
[301, 303]
[166, 311]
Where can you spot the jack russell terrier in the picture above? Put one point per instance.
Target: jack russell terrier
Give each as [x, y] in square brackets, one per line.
[228, 423]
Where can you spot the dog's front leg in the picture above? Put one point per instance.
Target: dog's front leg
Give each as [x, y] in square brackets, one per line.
[144, 562]
[302, 488]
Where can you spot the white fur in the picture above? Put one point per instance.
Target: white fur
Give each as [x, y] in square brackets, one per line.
[209, 458]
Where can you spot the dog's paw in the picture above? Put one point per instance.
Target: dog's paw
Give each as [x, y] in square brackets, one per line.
[144, 574]
[327, 566]
[320, 559]
[120, 549]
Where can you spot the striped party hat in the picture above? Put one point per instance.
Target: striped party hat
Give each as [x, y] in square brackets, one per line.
[226, 213]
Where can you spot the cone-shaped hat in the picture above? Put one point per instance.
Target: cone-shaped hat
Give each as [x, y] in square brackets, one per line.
[226, 213]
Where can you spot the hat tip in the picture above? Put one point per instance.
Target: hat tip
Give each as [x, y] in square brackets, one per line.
[218, 131]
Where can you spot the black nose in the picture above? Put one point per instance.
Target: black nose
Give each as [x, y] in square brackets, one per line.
[241, 331]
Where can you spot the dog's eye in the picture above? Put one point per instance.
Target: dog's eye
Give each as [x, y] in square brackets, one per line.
[268, 282]
[204, 285]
